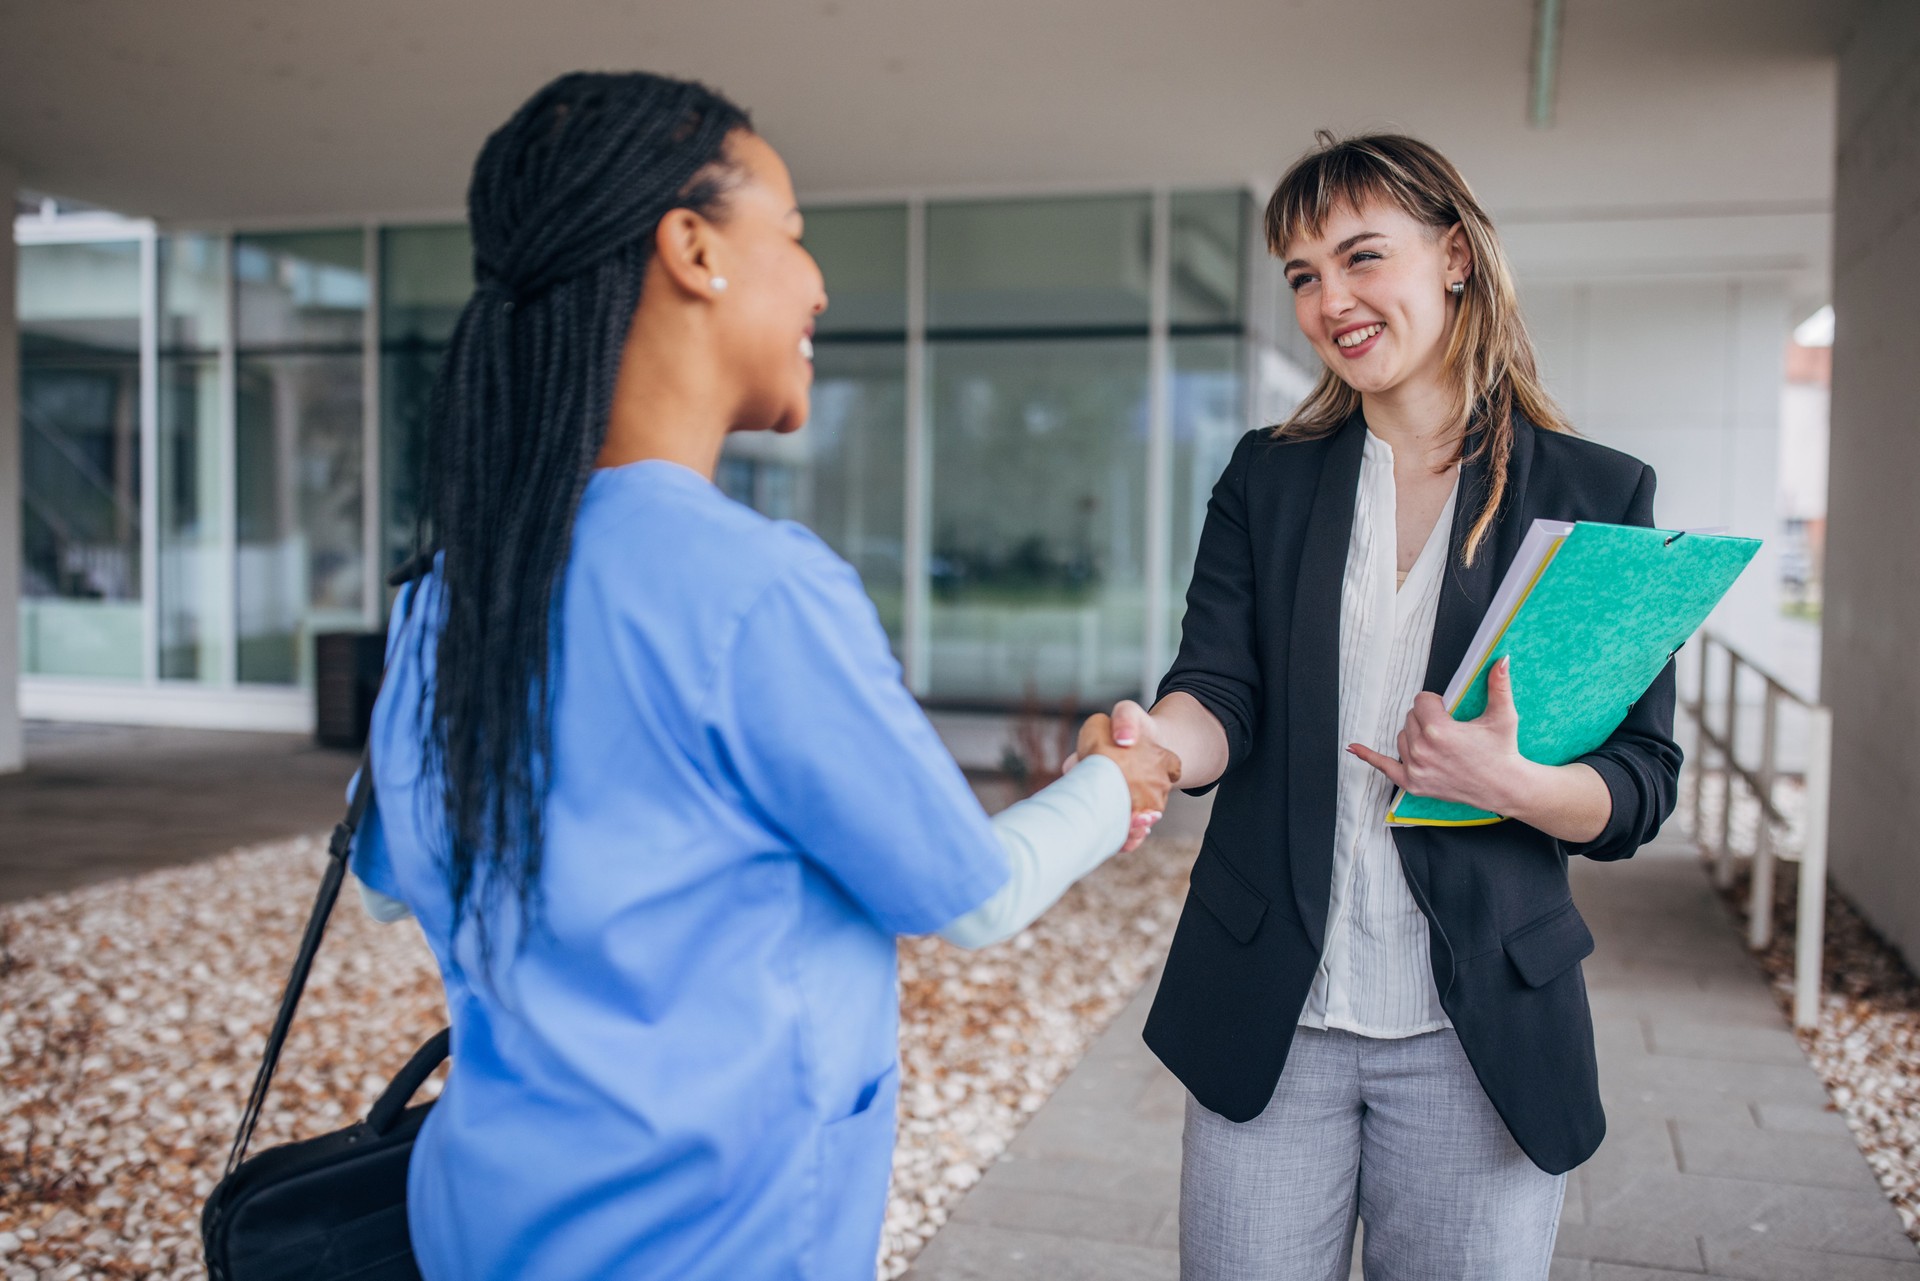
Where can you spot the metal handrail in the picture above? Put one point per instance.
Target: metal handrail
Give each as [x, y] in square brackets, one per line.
[1809, 939]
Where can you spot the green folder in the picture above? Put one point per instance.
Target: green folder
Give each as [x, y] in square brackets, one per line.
[1589, 614]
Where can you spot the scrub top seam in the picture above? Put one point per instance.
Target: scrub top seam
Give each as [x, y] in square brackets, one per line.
[722, 665]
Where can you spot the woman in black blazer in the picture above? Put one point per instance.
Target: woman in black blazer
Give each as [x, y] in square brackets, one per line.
[1388, 1024]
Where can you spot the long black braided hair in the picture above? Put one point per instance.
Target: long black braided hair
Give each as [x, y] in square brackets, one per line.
[564, 203]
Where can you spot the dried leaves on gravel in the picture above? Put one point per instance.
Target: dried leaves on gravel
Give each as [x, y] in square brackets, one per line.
[1866, 1047]
[132, 1015]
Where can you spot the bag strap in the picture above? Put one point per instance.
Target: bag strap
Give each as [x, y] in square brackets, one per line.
[339, 846]
[392, 1103]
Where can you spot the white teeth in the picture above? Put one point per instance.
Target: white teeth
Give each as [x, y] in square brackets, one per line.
[1358, 336]
[806, 346]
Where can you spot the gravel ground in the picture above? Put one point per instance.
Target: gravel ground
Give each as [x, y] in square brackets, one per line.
[1867, 1045]
[131, 1015]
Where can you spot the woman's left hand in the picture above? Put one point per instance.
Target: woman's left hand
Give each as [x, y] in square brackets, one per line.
[1476, 762]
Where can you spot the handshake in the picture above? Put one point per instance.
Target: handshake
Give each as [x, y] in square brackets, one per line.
[1151, 770]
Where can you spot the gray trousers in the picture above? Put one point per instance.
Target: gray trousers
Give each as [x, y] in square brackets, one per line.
[1397, 1132]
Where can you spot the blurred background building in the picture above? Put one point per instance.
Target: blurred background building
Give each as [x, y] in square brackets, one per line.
[1077, 366]
[1052, 312]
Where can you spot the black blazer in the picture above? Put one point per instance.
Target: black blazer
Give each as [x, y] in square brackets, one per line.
[1260, 650]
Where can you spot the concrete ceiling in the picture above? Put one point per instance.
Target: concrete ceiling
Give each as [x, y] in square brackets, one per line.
[247, 110]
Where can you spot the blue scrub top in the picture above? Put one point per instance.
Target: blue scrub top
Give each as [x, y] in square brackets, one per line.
[690, 1071]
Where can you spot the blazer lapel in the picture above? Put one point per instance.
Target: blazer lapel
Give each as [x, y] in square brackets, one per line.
[1313, 686]
[1467, 590]
[1465, 593]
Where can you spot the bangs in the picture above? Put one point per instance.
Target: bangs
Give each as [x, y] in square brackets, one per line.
[1349, 174]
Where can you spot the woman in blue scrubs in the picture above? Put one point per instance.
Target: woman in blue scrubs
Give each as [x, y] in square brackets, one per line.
[646, 773]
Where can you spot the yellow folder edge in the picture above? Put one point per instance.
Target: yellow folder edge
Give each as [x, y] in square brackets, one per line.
[1505, 623]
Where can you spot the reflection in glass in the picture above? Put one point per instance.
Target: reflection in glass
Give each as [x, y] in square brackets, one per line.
[426, 276]
[426, 279]
[193, 573]
[298, 427]
[843, 474]
[193, 293]
[1039, 501]
[1023, 264]
[862, 252]
[1208, 256]
[300, 288]
[79, 313]
[1208, 421]
[407, 374]
[298, 422]
[1036, 387]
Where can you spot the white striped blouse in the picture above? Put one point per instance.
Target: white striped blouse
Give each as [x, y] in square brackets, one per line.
[1376, 977]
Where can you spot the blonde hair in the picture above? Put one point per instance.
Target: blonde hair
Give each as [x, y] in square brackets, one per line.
[1489, 360]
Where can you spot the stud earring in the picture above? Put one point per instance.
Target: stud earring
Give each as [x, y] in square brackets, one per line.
[719, 284]
[1457, 288]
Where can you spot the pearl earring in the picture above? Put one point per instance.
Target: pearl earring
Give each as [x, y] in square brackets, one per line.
[719, 284]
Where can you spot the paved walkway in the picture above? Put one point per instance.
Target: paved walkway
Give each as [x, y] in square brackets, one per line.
[100, 801]
[1722, 1158]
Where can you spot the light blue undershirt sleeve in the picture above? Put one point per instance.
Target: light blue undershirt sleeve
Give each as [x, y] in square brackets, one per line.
[371, 871]
[382, 908]
[1051, 839]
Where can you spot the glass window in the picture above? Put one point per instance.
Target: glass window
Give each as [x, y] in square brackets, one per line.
[426, 279]
[1208, 421]
[298, 424]
[298, 524]
[844, 474]
[301, 289]
[863, 254]
[194, 578]
[193, 293]
[1208, 256]
[1039, 501]
[79, 314]
[1023, 264]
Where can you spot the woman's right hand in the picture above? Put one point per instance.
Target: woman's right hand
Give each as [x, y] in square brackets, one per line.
[1151, 771]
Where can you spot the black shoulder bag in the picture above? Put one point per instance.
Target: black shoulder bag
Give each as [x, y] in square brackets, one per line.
[332, 1207]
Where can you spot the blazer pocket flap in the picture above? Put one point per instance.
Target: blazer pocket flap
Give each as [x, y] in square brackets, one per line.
[1547, 948]
[1238, 906]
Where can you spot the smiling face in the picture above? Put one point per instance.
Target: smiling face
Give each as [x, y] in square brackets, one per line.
[764, 316]
[1370, 292]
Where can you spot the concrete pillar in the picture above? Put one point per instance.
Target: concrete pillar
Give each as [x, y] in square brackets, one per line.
[1871, 673]
[12, 756]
